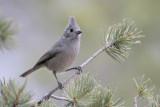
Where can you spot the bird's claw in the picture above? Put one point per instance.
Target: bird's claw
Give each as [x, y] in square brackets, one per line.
[79, 68]
[60, 85]
[46, 97]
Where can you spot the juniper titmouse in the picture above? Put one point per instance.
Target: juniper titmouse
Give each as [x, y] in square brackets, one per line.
[62, 53]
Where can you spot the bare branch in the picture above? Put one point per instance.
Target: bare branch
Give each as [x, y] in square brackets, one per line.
[118, 41]
[135, 101]
[61, 98]
[46, 97]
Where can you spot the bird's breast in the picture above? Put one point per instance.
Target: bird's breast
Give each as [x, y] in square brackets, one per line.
[62, 61]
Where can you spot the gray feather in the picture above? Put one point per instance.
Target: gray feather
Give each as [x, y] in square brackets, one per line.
[63, 52]
[47, 56]
[29, 71]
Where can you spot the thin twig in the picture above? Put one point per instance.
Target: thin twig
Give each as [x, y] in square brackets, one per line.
[135, 101]
[46, 97]
[61, 98]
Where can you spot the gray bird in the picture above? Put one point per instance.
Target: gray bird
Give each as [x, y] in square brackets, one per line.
[62, 53]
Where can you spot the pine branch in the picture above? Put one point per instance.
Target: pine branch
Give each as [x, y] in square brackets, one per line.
[46, 104]
[62, 98]
[118, 40]
[123, 36]
[135, 100]
[14, 95]
[80, 91]
[156, 101]
[103, 97]
[143, 89]
[145, 92]
[85, 91]
[46, 97]
[7, 30]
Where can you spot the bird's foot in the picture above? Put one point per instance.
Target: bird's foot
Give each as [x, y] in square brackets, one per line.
[46, 97]
[79, 68]
[60, 85]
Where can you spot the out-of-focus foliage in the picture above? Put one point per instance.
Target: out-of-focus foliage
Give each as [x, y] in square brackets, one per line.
[7, 30]
[46, 104]
[122, 36]
[143, 89]
[85, 91]
[43, 22]
[103, 97]
[80, 90]
[156, 101]
[13, 94]
[146, 92]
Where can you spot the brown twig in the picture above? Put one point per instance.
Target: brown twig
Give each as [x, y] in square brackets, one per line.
[46, 97]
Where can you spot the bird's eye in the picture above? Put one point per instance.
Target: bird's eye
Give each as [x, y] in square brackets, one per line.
[71, 30]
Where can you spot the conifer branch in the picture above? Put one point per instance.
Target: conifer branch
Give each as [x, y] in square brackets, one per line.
[118, 40]
[135, 101]
[143, 89]
[62, 98]
[73, 74]
[7, 30]
[146, 92]
[85, 91]
[13, 94]
[82, 91]
[45, 104]
[156, 100]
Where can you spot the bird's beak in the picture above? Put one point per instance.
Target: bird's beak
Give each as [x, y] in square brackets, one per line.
[78, 32]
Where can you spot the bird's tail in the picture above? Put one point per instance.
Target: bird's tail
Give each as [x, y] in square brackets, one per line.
[29, 71]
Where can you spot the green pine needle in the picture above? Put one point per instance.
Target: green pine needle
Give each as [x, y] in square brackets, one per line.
[46, 104]
[103, 97]
[143, 89]
[156, 102]
[146, 92]
[14, 95]
[7, 30]
[86, 92]
[121, 37]
[79, 90]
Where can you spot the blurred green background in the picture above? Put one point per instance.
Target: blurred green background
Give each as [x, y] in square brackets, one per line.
[41, 23]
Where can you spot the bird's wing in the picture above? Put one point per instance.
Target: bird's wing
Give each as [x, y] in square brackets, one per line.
[46, 57]
[50, 54]
[53, 52]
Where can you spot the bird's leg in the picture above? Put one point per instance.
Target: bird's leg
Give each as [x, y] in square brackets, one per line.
[59, 83]
[79, 68]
